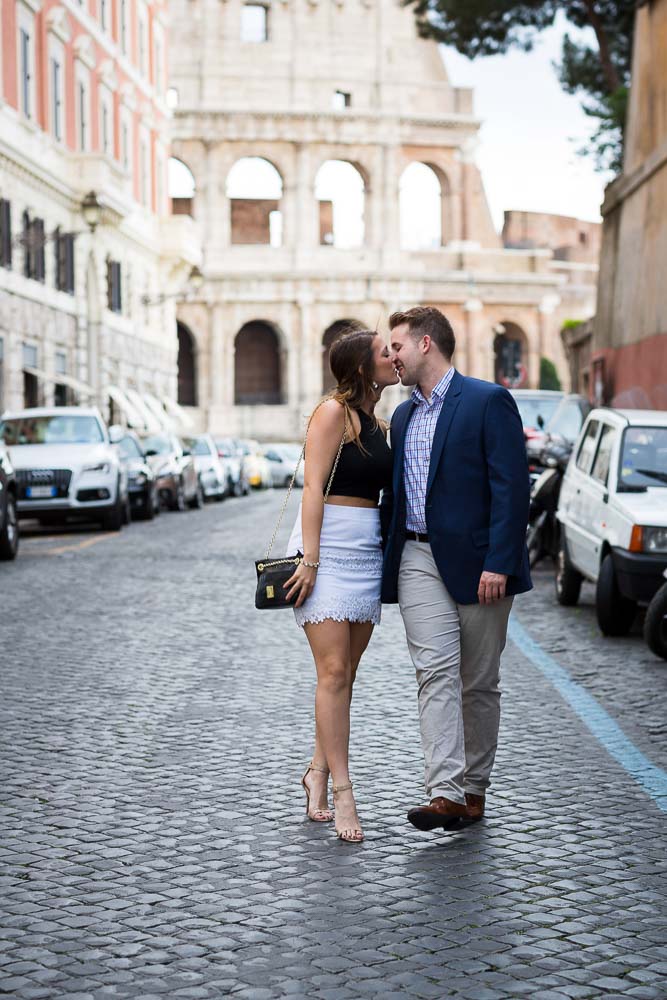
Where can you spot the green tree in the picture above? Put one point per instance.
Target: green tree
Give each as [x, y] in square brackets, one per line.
[548, 375]
[600, 74]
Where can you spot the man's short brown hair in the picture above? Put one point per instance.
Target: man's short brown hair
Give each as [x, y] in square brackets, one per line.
[427, 321]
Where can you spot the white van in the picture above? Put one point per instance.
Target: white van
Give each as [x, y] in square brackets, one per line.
[612, 513]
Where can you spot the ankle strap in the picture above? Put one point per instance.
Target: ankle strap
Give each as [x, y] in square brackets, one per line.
[342, 788]
[316, 767]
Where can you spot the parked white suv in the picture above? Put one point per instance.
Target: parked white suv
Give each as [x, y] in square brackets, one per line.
[65, 465]
[613, 514]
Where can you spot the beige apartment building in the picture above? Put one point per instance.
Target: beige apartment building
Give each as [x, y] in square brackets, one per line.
[332, 180]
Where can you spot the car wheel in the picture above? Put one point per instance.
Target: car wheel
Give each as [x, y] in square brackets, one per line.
[197, 501]
[150, 505]
[568, 580]
[9, 536]
[615, 613]
[178, 498]
[655, 624]
[113, 519]
[127, 511]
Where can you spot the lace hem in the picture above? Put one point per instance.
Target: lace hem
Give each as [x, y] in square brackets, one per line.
[350, 610]
[367, 562]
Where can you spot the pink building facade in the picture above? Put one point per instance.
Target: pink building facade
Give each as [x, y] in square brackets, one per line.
[83, 109]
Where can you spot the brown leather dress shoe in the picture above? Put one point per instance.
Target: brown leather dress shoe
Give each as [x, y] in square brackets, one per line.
[441, 812]
[475, 807]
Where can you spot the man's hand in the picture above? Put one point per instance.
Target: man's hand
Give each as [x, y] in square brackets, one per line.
[491, 587]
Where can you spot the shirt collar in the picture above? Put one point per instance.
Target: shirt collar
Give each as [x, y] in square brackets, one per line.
[439, 390]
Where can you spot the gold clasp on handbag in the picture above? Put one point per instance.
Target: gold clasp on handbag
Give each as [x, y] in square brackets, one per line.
[269, 593]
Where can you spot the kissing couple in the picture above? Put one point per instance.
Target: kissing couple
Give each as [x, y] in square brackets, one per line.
[435, 522]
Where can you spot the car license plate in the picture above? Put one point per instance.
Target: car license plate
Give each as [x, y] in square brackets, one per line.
[37, 492]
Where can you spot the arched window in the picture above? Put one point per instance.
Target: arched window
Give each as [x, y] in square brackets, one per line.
[257, 365]
[187, 368]
[340, 191]
[510, 348]
[420, 197]
[181, 187]
[255, 189]
[331, 334]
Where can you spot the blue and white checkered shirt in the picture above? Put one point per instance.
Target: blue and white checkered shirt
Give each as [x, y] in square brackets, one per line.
[418, 445]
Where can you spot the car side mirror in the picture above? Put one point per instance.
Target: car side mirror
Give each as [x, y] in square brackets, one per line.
[150, 452]
[116, 433]
[540, 421]
[186, 451]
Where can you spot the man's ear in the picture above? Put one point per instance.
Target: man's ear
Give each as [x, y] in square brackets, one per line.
[426, 341]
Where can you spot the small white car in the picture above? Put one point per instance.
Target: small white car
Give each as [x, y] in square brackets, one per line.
[283, 460]
[612, 514]
[66, 466]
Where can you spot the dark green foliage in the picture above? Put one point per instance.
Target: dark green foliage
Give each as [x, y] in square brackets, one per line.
[599, 74]
[548, 375]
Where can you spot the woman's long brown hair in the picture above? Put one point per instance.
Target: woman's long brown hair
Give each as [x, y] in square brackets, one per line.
[351, 363]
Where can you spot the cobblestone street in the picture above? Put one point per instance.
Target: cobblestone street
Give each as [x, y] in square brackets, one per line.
[154, 843]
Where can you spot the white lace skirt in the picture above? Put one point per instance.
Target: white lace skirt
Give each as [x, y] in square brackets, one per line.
[348, 582]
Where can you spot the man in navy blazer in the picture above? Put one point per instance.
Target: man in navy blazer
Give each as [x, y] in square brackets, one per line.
[454, 527]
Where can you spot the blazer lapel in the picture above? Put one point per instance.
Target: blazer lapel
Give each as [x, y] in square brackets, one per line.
[452, 400]
[398, 444]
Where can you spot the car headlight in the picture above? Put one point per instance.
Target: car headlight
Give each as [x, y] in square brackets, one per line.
[103, 467]
[138, 477]
[654, 539]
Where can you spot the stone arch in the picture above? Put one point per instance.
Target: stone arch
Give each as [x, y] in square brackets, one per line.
[341, 187]
[422, 206]
[510, 349]
[331, 334]
[255, 190]
[187, 366]
[258, 365]
[182, 187]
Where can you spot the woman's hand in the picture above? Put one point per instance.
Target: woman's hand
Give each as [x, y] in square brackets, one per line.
[301, 582]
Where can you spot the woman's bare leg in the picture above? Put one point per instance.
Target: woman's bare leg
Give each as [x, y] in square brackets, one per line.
[330, 645]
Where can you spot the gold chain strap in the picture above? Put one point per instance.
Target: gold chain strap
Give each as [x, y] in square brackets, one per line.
[298, 464]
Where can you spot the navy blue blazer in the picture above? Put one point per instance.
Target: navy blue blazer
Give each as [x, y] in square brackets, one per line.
[478, 492]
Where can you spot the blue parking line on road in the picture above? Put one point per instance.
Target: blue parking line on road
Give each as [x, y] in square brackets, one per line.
[651, 778]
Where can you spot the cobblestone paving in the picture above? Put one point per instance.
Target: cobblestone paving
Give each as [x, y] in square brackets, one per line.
[153, 837]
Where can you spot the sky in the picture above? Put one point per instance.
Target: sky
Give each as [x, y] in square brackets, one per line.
[531, 131]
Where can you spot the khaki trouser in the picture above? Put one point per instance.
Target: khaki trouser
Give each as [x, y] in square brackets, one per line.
[456, 651]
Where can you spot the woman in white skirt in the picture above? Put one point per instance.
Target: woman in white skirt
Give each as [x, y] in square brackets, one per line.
[337, 584]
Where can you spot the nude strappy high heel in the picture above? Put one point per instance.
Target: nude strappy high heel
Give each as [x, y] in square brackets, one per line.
[317, 815]
[351, 835]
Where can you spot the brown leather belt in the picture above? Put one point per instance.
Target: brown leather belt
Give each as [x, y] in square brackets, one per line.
[415, 536]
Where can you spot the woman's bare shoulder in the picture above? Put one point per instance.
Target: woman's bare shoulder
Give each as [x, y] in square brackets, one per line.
[329, 415]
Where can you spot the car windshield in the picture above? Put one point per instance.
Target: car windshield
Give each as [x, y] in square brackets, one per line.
[129, 448]
[226, 447]
[158, 443]
[198, 446]
[566, 420]
[533, 407]
[63, 428]
[643, 457]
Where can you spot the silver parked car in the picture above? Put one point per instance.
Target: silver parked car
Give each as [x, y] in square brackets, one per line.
[210, 469]
[283, 460]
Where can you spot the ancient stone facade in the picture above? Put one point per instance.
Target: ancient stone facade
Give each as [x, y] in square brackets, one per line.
[629, 356]
[82, 111]
[570, 239]
[300, 84]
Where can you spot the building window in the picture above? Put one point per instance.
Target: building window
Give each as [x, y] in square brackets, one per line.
[61, 393]
[144, 178]
[123, 27]
[125, 144]
[341, 100]
[254, 23]
[30, 381]
[143, 42]
[26, 71]
[104, 14]
[105, 126]
[172, 97]
[82, 109]
[34, 240]
[64, 261]
[57, 99]
[5, 233]
[114, 296]
[158, 67]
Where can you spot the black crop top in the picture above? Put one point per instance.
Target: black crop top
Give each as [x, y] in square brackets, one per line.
[364, 473]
